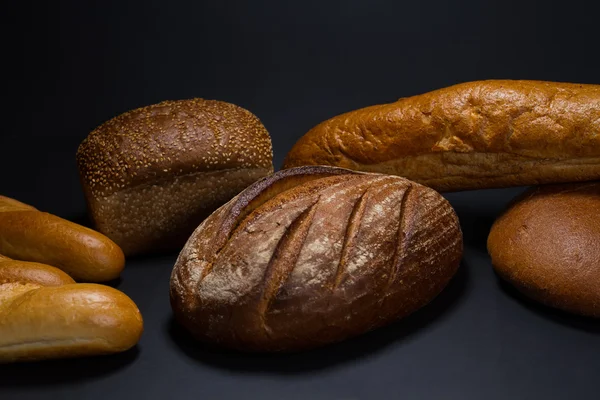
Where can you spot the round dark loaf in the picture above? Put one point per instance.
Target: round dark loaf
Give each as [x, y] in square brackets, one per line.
[313, 255]
[547, 245]
[151, 175]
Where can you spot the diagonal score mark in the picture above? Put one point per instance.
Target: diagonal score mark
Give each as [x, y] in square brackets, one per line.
[222, 241]
[285, 258]
[239, 211]
[401, 239]
[354, 221]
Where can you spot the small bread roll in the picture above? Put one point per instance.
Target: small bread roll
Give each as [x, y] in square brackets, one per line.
[44, 315]
[27, 234]
[12, 271]
[547, 245]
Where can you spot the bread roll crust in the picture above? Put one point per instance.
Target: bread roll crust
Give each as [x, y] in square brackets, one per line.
[151, 175]
[313, 255]
[67, 321]
[44, 314]
[547, 245]
[27, 234]
[468, 136]
[12, 271]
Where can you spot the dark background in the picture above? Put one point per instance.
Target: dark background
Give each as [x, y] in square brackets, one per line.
[69, 66]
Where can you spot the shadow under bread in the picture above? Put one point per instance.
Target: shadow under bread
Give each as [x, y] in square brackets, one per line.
[475, 228]
[159, 254]
[329, 356]
[67, 370]
[587, 324]
[478, 210]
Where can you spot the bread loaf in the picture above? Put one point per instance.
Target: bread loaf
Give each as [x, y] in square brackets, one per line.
[313, 255]
[547, 245]
[12, 271]
[27, 234]
[44, 315]
[469, 136]
[151, 175]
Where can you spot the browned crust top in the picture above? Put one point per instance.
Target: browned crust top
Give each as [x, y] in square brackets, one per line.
[171, 138]
[12, 271]
[548, 245]
[311, 255]
[528, 118]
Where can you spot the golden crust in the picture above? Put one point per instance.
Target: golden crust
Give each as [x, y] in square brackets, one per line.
[30, 235]
[72, 320]
[30, 272]
[44, 314]
[528, 122]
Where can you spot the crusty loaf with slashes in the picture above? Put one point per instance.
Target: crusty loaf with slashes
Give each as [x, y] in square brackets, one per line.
[474, 135]
[547, 245]
[151, 175]
[313, 255]
[44, 314]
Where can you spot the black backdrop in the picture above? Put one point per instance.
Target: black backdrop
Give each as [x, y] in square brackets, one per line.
[69, 66]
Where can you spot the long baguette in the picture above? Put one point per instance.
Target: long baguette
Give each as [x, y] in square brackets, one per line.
[30, 235]
[469, 136]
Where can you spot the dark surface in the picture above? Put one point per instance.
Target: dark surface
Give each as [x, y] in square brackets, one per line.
[74, 65]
